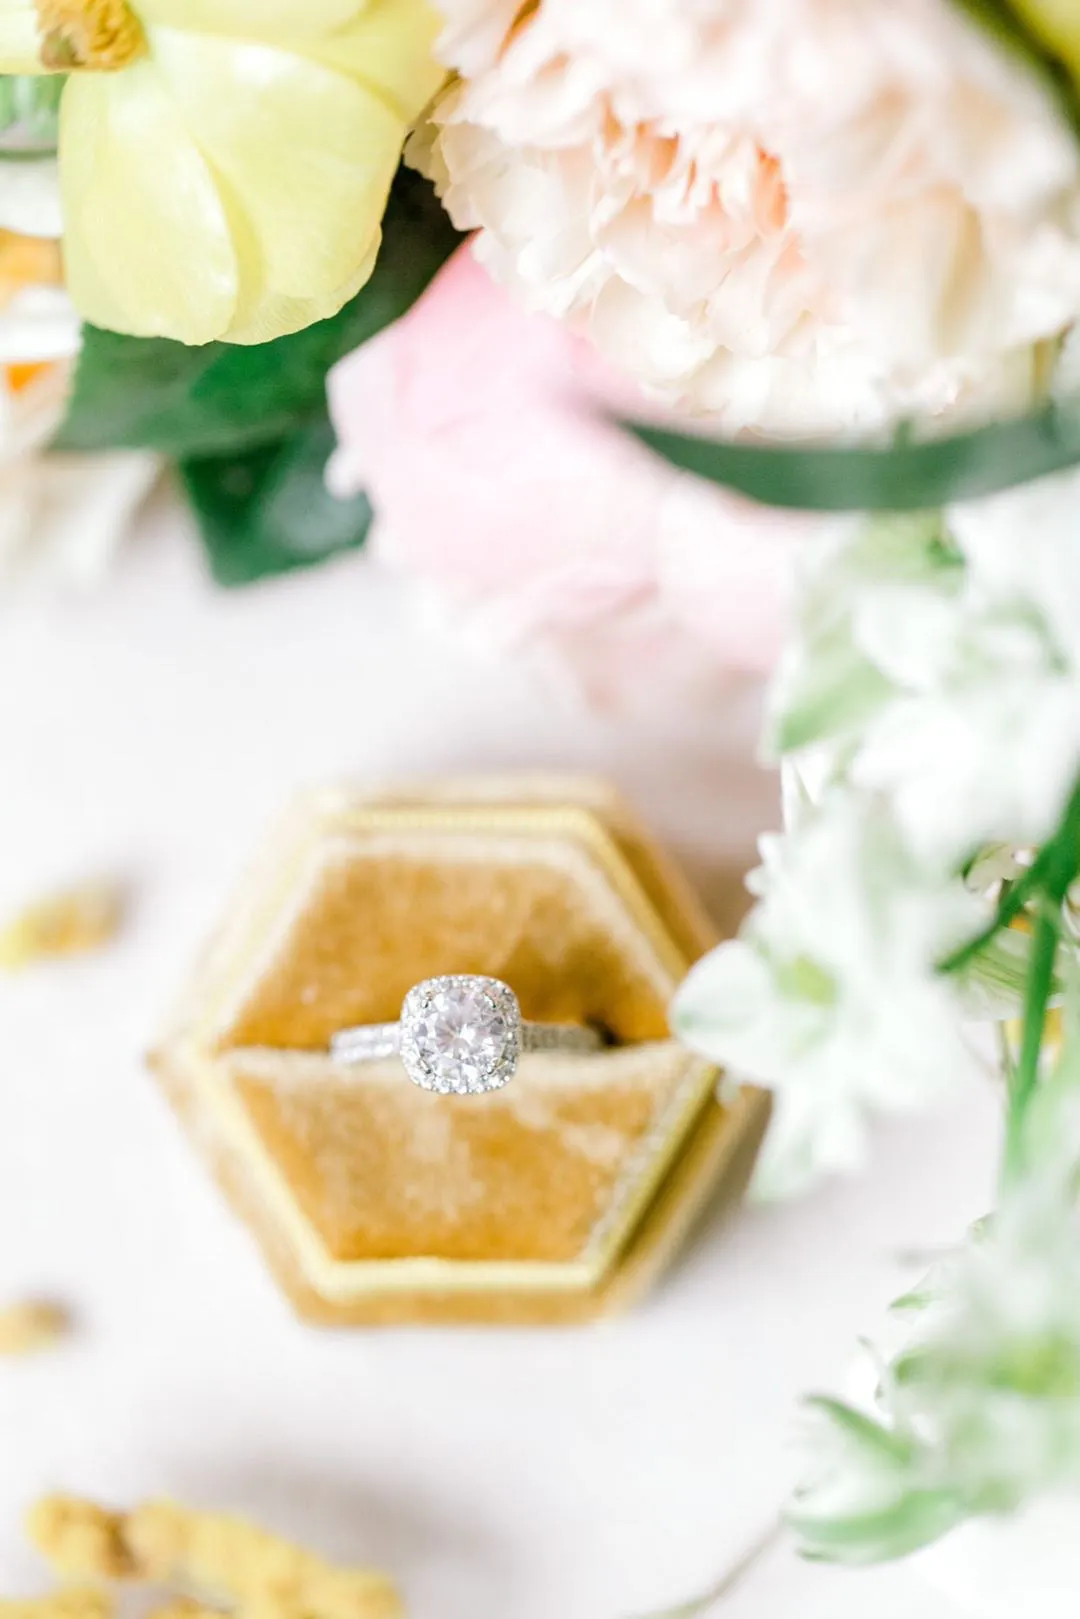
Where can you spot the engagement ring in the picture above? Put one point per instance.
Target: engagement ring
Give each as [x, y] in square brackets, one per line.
[462, 1034]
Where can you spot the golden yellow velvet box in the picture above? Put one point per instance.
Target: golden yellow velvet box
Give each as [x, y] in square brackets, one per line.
[556, 1199]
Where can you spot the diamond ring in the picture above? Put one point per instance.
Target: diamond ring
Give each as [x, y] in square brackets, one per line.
[460, 1034]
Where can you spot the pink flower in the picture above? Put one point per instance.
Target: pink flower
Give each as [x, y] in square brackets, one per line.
[475, 428]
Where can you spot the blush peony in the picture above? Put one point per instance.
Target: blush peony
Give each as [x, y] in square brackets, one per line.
[796, 215]
[535, 524]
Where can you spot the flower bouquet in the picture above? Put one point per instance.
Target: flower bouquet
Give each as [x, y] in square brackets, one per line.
[760, 356]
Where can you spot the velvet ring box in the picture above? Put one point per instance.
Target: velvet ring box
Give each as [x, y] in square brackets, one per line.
[558, 1198]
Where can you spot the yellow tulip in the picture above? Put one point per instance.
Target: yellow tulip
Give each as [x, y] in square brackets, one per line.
[224, 164]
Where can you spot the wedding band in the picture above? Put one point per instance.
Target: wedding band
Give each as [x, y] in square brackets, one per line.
[461, 1034]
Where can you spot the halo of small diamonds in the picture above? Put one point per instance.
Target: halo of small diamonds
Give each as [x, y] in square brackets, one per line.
[461, 1034]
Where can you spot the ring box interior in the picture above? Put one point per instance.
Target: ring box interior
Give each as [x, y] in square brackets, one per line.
[558, 1198]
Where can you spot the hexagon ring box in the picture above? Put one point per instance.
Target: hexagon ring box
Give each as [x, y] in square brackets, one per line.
[427, 1056]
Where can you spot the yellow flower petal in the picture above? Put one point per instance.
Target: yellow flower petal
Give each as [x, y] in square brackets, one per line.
[387, 45]
[33, 1325]
[63, 924]
[92, 298]
[231, 183]
[306, 155]
[145, 230]
[266, 20]
[263, 314]
[19, 37]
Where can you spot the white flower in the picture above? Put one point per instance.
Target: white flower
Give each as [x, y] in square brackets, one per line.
[937, 662]
[30, 197]
[1023, 551]
[982, 743]
[790, 213]
[61, 516]
[990, 758]
[989, 1371]
[872, 594]
[830, 996]
[37, 319]
[976, 1408]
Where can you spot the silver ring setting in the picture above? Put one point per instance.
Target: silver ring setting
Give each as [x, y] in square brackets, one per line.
[461, 1034]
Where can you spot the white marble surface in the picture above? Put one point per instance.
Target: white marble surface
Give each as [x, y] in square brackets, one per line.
[587, 1474]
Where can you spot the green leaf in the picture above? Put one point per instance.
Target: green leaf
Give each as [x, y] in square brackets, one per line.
[267, 510]
[917, 1518]
[904, 477]
[225, 397]
[29, 114]
[861, 1430]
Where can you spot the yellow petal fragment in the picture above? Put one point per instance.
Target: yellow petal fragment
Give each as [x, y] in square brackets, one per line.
[388, 45]
[182, 1608]
[78, 1539]
[224, 1559]
[20, 37]
[65, 924]
[72, 1602]
[305, 154]
[258, 20]
[31, 1326]
[145, 230]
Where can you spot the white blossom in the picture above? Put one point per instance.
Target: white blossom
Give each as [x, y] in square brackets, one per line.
[61, 515]
[938, 659]
[831, 995]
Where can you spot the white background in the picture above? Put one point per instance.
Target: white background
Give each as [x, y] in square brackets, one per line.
[154, 730]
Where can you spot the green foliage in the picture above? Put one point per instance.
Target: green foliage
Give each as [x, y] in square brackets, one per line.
[877, 1497]
[29, 113]
[248, 425]
[267, 510]
[902, 477]
[223, 397]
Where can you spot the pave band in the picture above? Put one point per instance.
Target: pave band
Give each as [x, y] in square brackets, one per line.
[371, 1042]
[461, 1034]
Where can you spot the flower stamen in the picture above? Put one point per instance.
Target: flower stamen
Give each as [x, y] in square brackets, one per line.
[101, 35]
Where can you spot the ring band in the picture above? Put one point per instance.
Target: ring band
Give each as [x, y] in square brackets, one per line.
[461, 1034]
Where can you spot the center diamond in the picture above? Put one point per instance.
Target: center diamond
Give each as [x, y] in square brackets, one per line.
[461, 1034]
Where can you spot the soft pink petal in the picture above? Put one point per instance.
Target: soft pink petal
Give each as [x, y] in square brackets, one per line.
[480, 433]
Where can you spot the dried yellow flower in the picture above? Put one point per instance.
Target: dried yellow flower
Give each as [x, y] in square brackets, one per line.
[80, 1540]
[227, 1560]
[32, 1325]
[73, 1602]
[183, 1608]
[64, 924]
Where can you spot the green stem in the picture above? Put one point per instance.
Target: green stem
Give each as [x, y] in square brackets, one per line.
[1011, 904]
[1025, 1075]
[1058, 863]
[732, 1577]
[1062, 850]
